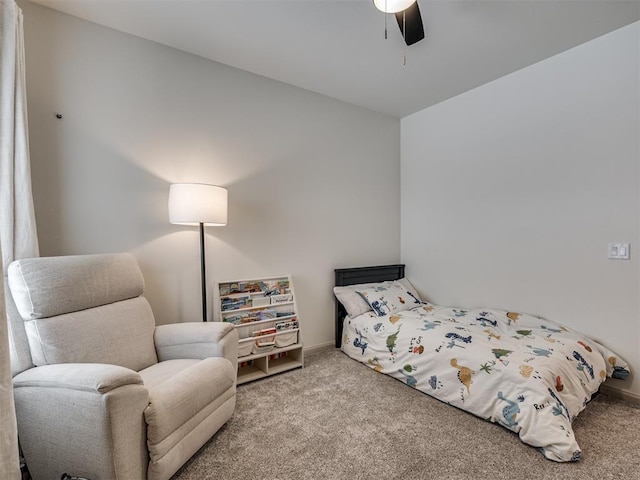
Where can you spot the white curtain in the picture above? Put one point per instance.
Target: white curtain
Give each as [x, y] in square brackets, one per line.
[9, 457]
[18, 238]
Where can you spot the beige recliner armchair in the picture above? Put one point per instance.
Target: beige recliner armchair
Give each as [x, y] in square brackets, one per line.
[112, 396]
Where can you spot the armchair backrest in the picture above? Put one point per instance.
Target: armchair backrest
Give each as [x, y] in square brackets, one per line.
[84, 309]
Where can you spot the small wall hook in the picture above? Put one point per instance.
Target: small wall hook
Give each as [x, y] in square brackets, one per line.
[58, 116]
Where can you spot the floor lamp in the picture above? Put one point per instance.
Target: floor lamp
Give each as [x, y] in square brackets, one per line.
[198, 204]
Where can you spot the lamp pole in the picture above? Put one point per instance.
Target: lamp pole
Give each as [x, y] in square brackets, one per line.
[203, 274]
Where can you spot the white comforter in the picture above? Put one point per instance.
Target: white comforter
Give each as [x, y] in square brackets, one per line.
[530, 375]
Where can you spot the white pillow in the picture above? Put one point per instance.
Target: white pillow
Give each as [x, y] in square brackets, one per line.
[386, 299]
[352, 301]
[410, 288]
[356, 305]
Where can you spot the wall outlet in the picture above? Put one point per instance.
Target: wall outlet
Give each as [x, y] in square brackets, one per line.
[618, 251]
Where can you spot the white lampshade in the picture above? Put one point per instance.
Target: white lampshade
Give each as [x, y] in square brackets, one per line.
[393, 6]
[195, 203]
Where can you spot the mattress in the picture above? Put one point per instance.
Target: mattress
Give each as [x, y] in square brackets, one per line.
[528, 374]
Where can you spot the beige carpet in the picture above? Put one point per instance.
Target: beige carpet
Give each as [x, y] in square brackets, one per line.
[338, 419]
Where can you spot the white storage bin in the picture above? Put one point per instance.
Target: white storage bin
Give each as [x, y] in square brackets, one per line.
[245, 348]
[285, 339]
[263, 347]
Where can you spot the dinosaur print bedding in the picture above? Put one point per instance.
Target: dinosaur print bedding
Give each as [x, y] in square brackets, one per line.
[525, 373]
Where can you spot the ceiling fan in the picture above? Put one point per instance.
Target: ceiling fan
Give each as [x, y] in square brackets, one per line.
[408, 17]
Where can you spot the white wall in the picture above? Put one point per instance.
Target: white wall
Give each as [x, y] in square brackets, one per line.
[308, 177]
[511, 192]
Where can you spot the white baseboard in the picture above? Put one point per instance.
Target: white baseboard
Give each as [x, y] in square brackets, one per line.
[318, 348]
[620, 394]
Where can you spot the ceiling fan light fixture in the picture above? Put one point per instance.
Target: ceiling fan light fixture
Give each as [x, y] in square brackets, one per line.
[393, 6]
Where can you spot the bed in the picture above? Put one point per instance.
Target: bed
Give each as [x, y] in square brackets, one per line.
[528, 374]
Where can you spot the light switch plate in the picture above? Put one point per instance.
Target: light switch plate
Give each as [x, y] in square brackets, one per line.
[618, 251]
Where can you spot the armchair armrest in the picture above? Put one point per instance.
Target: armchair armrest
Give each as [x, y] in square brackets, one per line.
[89, 377]
[82, 417]
[197, 340]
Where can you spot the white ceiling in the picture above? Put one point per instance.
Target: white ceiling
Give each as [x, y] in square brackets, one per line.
[337, 47]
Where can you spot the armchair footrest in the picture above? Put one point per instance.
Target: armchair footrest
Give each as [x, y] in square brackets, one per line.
[194, 385]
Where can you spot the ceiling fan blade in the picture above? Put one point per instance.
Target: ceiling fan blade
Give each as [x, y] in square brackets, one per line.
[413, 22]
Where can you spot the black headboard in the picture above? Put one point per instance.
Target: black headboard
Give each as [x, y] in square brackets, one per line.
[354, 276]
